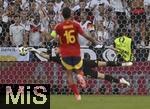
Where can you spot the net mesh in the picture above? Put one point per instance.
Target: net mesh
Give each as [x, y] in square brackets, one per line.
[52, 73]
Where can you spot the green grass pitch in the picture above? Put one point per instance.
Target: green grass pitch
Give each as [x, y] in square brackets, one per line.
[100, 102]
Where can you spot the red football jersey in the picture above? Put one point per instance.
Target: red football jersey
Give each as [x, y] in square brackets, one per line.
[68, 38]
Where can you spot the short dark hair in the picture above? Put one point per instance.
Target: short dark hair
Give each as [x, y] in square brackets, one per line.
[66, 12]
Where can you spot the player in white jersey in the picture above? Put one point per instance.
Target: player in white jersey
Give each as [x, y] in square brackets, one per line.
[16, 32]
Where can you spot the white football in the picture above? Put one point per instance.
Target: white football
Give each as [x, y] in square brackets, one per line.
[23, 51]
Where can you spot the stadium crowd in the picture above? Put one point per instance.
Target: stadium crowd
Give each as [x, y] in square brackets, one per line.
[27, 22]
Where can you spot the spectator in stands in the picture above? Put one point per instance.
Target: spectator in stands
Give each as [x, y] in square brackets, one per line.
[34, 8]
[4, 30]
[58, 6]
[57, 9]
[17, 4]
[106, 3]
[16, 32]
[110, 25]
[44, 21]
[7, 15]
[100, 13]
[33, 31]
[11, 9]
[25, 22]
[51, 15]
[138, 16]
[102, 10]
[1, 3]
[78, 8]
[24, 17]
[87, 26]
[51, 42]
[120, 9]
[51, 26]
[92, 3]
[50, 6]
[25, 4]
[104, 24]
[101, 33]
[81, 7]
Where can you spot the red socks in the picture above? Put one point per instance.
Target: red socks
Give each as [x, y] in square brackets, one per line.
[74, 89]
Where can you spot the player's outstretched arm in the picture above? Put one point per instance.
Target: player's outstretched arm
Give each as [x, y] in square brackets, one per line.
[42, 54]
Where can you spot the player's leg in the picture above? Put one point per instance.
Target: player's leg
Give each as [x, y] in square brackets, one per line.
[78, 62]
[88, 72]
[112, 79]
[68, 66]
[96, 63]
[72, 85]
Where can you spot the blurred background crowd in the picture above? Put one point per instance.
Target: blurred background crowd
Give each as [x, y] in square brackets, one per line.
[27, 22]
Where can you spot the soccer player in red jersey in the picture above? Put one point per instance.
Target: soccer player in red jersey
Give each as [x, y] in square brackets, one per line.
[67, 32]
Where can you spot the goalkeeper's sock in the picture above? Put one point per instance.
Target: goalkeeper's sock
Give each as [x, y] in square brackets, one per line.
[74, 89]
[111, 79]
[112, 63]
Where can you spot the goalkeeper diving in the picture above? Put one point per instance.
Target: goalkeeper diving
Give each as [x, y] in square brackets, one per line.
[88, 66]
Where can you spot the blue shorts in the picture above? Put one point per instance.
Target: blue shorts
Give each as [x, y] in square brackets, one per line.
[72, 63]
